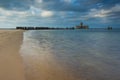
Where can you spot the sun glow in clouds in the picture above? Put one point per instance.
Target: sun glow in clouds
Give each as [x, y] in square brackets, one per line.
[68, 1]
[47, 13]
[39, 1]
[102, 13]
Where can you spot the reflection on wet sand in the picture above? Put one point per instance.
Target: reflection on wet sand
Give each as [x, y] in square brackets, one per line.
[41, 64]
[44, 67]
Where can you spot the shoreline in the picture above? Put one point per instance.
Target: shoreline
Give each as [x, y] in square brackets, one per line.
[11, 64]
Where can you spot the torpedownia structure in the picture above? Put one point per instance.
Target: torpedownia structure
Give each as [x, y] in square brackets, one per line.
[81, 26]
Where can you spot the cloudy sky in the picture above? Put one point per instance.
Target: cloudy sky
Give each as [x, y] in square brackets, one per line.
[59, 13]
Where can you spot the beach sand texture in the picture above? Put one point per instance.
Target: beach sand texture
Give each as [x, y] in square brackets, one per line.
[11, 65]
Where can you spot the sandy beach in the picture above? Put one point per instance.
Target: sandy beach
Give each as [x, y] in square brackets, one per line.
[14, 66]
[11, 64]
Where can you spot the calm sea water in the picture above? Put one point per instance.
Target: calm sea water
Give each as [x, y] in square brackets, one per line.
[72, 54]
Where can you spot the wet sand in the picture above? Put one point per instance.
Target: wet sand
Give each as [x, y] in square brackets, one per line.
[11, 64]
[41, 64]
[44, 67]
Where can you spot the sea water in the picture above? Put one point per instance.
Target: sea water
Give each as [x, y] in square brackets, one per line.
[71, 54]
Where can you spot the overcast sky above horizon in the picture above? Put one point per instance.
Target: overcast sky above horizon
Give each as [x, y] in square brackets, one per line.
[59, 13]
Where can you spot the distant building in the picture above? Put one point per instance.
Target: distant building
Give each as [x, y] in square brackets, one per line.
[81, 26]
[109, 28]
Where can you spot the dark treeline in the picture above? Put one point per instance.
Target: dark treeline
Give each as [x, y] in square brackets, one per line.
[109, 28]
[42, 28]
[80, 26]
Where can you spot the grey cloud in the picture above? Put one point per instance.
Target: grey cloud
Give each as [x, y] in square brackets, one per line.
[57, 5]
[15, 4]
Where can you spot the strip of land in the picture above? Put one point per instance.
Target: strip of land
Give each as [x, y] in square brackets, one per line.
[11, 65]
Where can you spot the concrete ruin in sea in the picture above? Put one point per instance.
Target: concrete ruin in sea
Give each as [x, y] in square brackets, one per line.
[82, 26]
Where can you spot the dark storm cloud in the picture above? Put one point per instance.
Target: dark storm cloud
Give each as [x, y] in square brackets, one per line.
[63, 5]
[58, 5]
[110, 3]
[15, 4]
[114, 16]
[77, 5]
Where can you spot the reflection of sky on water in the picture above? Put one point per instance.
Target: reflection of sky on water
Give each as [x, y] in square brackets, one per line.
[91, 55]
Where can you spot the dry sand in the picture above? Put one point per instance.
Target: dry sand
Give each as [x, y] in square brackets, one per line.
[11, 65]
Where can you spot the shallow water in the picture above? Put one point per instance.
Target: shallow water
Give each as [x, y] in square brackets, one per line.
[71, 54]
